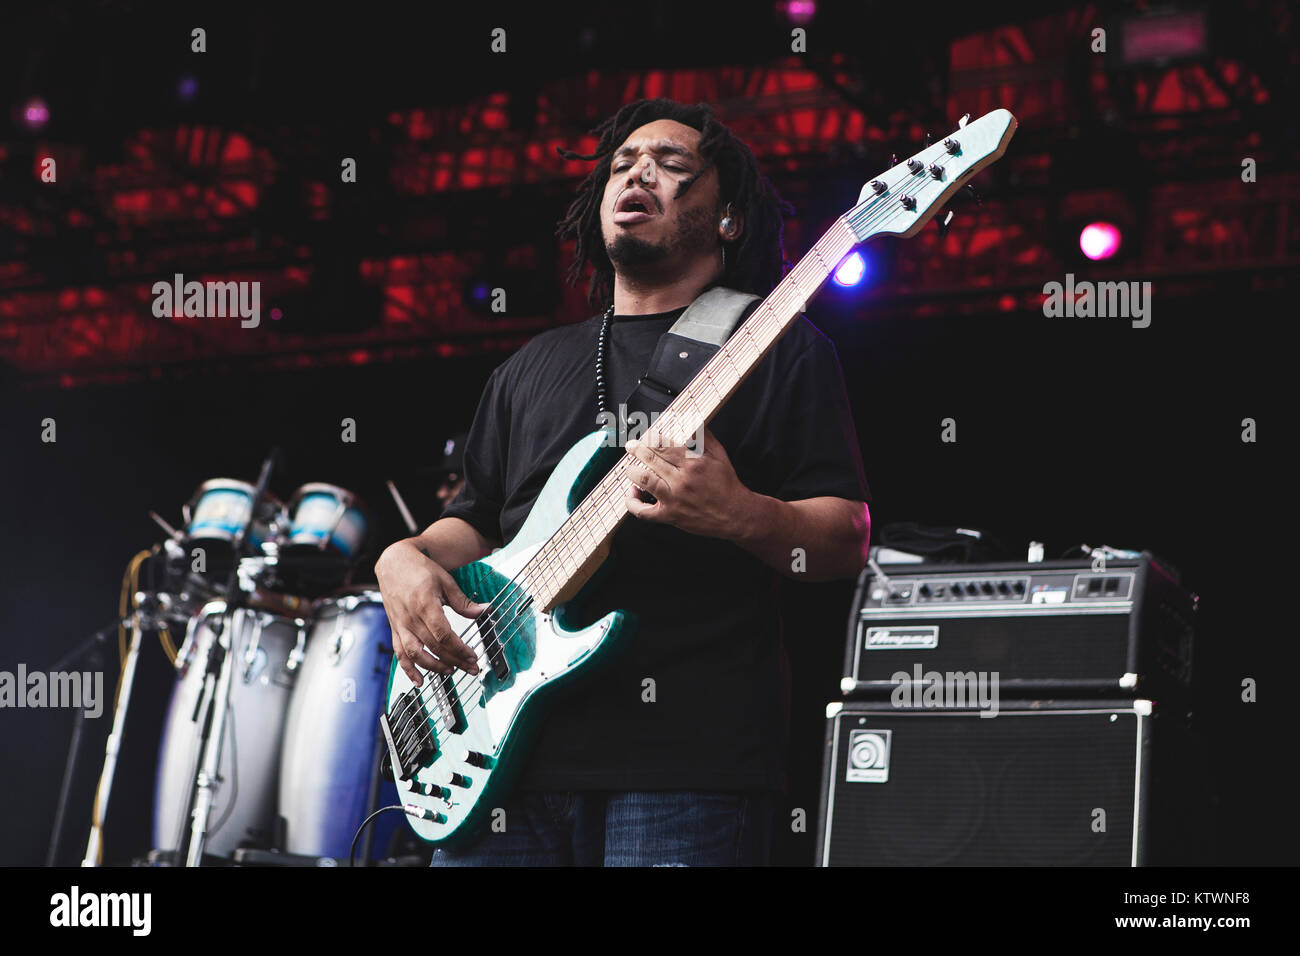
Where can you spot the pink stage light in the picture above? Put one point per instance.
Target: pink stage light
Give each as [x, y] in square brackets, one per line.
[1099, 240]
[800, 12]
[35, 113]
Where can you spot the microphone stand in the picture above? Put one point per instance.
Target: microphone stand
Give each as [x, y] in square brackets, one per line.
[91, 650]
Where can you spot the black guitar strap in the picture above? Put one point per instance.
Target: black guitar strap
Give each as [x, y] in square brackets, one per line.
[685, 348]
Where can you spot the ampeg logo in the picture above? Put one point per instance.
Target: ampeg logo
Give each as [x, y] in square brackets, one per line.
[923, 637]
[868, 756]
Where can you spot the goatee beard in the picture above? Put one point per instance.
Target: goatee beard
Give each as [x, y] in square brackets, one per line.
[631, 254]
[630, 251]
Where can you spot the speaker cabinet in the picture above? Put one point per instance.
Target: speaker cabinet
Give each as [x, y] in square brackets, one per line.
[1042, 783]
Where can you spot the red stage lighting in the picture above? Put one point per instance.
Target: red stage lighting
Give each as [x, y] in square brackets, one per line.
[1164, 37]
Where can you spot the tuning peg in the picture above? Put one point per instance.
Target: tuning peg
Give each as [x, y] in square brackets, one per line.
[961, 123]
[970, 188]
[943, 226]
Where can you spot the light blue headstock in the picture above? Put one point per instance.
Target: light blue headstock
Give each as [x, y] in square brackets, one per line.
[901, 200]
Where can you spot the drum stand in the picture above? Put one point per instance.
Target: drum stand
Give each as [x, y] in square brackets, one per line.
[216, 686]
[213, 706]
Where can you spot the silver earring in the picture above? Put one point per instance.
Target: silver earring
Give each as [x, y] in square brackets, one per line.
[726, 224]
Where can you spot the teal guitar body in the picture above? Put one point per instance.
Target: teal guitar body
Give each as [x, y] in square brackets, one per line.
[455, 742]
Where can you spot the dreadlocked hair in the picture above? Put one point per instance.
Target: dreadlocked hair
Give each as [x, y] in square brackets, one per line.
[755, 261]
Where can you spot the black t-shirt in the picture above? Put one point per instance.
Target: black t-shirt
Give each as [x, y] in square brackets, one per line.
[708, 634]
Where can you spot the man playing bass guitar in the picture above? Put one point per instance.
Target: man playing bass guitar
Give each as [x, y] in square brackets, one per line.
[673, 753]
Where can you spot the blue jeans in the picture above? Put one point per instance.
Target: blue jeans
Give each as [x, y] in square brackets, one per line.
[640, 828]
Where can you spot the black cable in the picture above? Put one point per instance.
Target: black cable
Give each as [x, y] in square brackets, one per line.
[352, 853]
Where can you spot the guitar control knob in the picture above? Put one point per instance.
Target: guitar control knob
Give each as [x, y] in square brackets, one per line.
[459, 780]
[476, 759]
[430, 790]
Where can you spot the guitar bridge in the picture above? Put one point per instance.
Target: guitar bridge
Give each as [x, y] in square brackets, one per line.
[410, 739]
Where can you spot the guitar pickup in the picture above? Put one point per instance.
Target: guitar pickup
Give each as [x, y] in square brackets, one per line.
[496, 653]
[447, 703]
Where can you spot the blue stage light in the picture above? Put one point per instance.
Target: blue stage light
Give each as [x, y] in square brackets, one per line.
[851, 271]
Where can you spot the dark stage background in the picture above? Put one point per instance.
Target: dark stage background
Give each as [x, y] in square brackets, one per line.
[1068, 430]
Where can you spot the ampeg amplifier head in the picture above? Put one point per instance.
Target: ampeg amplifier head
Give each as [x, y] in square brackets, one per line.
[1119, 628]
